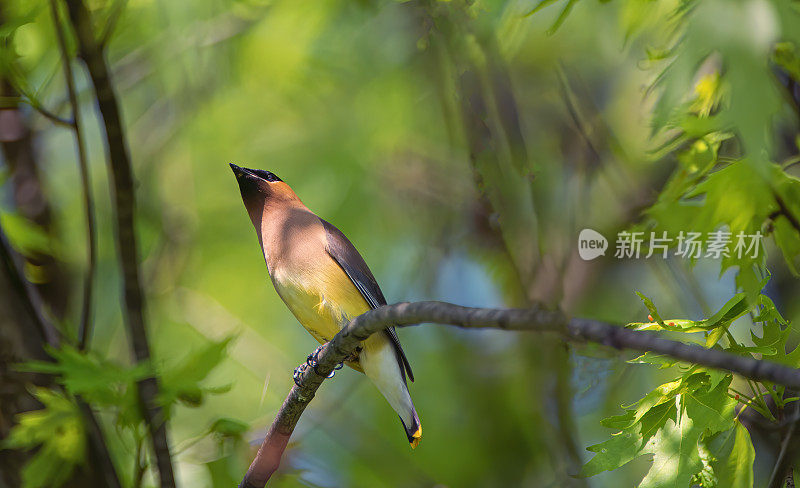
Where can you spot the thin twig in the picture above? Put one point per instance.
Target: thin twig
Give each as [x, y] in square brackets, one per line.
[84, 329]
[28, 296]
[783, 462]
[125, 203]
[534, 320]
[6, 102]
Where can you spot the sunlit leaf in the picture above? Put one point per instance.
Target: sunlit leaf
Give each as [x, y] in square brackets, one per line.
[732, 457]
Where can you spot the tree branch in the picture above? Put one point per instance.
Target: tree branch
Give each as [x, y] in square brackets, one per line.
[534, 319]
[119, 160]
[27, 294]
[84, 329]
[34, 104]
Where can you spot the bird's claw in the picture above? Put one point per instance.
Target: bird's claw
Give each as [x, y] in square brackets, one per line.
[335, 369]
[298, 373]
[312, 361]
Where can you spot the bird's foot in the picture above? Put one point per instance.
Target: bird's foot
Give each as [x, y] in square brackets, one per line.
[298, 373]
[312, 361]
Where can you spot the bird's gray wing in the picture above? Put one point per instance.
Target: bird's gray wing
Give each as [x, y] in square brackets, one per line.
[345, 254]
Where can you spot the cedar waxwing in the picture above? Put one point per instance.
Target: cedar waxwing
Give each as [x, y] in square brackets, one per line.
[325, 283]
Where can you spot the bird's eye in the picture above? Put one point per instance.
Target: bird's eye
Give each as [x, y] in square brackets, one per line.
[266, 175]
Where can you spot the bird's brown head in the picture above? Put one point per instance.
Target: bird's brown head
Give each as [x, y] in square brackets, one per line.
[261, 189]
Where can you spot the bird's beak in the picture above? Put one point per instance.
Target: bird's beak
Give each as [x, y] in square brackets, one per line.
[249, 183]
[239, 171]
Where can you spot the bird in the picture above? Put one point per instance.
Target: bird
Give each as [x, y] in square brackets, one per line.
[325, 283]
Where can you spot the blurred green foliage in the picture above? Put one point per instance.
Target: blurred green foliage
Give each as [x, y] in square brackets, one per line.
[657, 115]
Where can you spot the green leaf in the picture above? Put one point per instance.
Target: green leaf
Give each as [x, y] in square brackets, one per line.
[98, 380]
[775, 337]
[651, 308]
[732, 310]
[642, 424]
[679, 325]
[228, 427]
[787, 237]
[717, 323]
[622, 448]
[620, 422]
[714, 337]
[712, 410]
[675, 455]
[768, 311]
[669, 423]
[26, 237]
[732, 457]
[182, 383]
[57, 431]
[540, 6]
[660, 360]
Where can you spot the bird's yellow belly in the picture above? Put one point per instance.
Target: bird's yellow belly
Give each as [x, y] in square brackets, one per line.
[322, 301]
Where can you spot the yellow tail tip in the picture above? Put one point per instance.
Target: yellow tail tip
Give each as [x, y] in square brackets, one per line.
[416, 438]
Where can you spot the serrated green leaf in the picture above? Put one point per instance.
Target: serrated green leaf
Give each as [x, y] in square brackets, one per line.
[712, 410]
[622, 448]
[620, 422]
[630, 442]
[675, 455]
[57, 431]
[768, 311]
[668, 422]
[98, 380]
[774, 336]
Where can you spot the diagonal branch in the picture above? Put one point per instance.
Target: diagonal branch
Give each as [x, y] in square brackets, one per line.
[119, 160]
[534, 319]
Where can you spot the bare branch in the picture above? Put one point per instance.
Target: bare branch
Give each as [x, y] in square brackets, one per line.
[84, 329]
[534, 319]
[120, 164]
[37, 106]
[27, 294]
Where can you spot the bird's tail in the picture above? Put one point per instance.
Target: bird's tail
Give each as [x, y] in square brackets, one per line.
[380, 364]
[414, 430]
